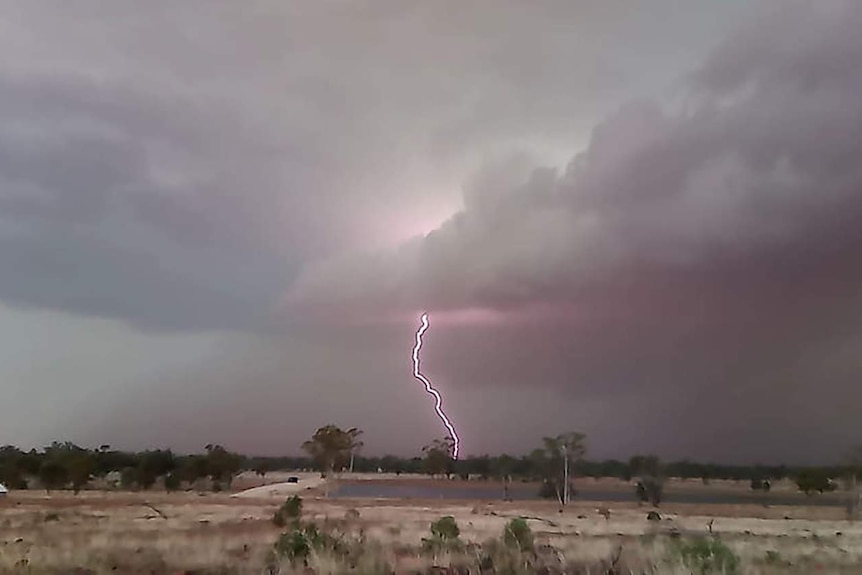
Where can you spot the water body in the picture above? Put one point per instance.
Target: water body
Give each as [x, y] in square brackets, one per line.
[383, 490]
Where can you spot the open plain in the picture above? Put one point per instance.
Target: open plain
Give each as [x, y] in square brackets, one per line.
[118, 532]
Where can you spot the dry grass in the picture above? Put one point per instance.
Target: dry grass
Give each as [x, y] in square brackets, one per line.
[122, 533]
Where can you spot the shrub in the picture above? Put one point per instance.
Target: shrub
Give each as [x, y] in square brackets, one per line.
[301, 539]
[705, 556]
[293, 545]
[548, 490]
[518, 534]
[445, 528]
[444, 534]
[811, 480]
[172, 482]
[650, 490]
[290, 509]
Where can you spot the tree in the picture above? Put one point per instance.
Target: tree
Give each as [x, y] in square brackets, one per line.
[129, 478]
[438, 456]
[172, 482]
[854, 470]
[329, 447]
[650, 485]
[810, 480]
[192, 468]
[12, 467]
[80, 467]
[553, 459]
[502, 468]
[355, 443]
[221, 464]
[53, 474]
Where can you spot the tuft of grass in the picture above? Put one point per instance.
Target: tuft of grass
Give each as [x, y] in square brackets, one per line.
[707, 555]
[517, 534]
[291, 509]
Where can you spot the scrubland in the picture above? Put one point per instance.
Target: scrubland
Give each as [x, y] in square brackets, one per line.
[132, 533]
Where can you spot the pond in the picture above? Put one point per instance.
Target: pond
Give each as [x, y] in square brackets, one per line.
[459, 491]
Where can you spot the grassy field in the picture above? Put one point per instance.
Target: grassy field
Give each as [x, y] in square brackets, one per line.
[101, 532]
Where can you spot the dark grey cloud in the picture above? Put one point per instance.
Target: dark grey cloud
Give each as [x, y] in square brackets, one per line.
[210, 149]
[702, 257]
[690, 274]
[95, 220]
[704, 197]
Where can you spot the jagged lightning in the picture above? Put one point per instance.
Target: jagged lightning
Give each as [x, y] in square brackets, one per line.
[438, 400]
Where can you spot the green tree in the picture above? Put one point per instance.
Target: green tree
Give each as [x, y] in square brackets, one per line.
[810, 480]
[53, 474]
[221, 464]
[553, 462]
[650, 485]
[172, 482]
[129, 478]
[12, 467]
[192, 468]
[438, 456]
[329, 447]
[80, 467]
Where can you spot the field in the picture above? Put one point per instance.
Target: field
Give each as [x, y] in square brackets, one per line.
[105, 532]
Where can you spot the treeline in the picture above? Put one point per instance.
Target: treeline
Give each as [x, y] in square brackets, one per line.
[68, 466]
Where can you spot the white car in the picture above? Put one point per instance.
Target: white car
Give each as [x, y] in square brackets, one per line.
[3, 490]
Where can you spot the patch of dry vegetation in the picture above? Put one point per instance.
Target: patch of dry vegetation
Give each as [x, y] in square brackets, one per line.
[168, 533]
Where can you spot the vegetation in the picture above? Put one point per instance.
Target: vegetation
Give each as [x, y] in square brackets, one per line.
[69, 466]
[445, 535]
[438, 457]
[650, 485]
[553, 460]
[331, 447]
[518, 534]
[290, 510]
[708, 555]
[811, 480]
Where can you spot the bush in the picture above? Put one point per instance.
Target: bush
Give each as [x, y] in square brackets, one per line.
[293, 545]
[705, 556]
[811, 480]
[444, 535]
[650, 490]
[301, 539]
[445, 528]
[290, 509]
[172, 482]
[548, 490]
[518, 534]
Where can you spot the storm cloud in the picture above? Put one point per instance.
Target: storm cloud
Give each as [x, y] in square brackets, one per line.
[297, 180]
[703, 253]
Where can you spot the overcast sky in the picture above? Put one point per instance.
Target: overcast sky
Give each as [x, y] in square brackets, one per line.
[220, 220]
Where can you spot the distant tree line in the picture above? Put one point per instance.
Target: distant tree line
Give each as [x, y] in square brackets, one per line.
[555, 465]
[69, 466]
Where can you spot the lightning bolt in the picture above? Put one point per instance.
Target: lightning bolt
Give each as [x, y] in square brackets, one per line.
[438, 400]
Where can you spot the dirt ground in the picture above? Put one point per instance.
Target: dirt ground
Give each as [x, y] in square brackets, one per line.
[165, 533]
